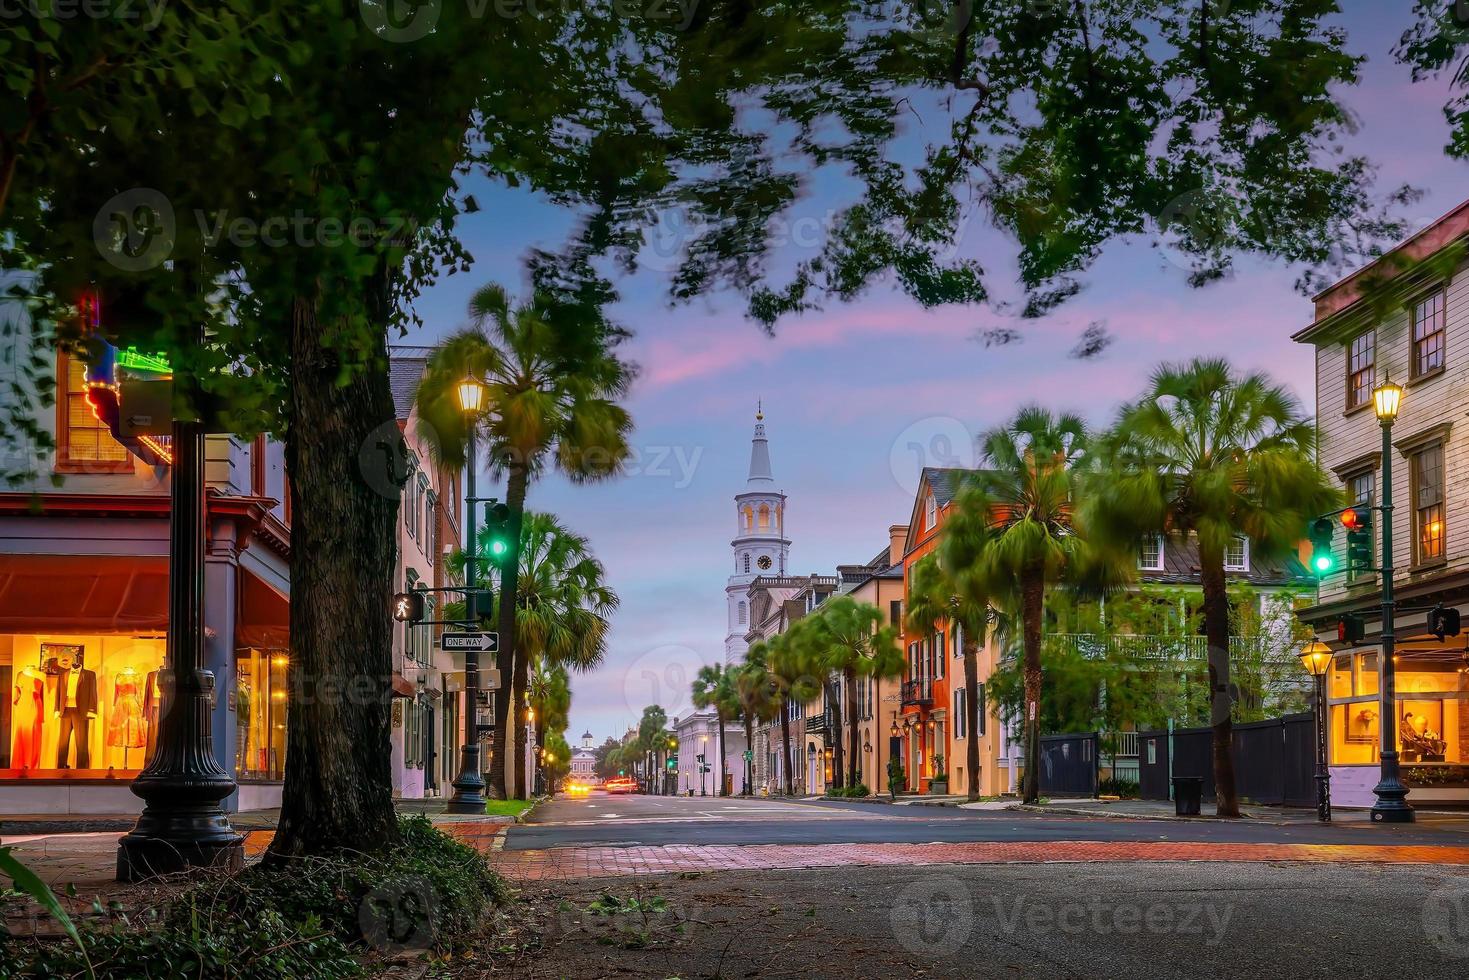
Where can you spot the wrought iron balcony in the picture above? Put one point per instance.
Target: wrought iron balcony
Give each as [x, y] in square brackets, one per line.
[917, 693]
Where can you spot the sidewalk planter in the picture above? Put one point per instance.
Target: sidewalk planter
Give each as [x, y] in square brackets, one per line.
[938, 786]
[1188, 794]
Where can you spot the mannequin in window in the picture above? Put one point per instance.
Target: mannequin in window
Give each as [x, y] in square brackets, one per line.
[28, 707]
[150, 714]
[125, 727]
[76, 706]
[244, 703]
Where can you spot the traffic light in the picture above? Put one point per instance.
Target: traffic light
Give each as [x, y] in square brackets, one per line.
[1350, 629]
[408, 607]
[672, 764]
[1443, 621]
[1358, 522]
[1323, 561]
[497, 532]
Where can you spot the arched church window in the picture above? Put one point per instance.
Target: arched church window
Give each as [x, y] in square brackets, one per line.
[764, 517]
[747, 562]
[749, 515]
[742, 613]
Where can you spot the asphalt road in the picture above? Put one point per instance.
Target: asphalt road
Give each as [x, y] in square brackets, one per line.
[604, 820]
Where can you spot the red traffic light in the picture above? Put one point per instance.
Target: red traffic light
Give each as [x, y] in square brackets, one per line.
[1351, 520]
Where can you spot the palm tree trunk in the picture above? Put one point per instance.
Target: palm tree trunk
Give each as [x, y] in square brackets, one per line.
[517, 707]
[749, 760]
[1216, 631]
[723, 757]
[834, 739]
[971, 713]
[1032, 609]
[854, 747]
[337, 790]
[499, 785]
[785, 737]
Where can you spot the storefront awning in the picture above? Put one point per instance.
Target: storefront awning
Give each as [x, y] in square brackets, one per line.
[83, 593]
[263, 619]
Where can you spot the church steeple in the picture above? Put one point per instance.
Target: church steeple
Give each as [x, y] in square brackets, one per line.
[760, 475]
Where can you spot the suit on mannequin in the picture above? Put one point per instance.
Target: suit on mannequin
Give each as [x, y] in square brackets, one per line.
[76, 706]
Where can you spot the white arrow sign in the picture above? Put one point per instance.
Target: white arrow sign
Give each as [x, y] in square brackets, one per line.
[483, 642]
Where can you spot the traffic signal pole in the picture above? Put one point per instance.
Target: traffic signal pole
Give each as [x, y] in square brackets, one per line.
[469, 784]
[1392, 805]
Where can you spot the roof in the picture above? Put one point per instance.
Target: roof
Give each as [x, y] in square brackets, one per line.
[1181, 567]
[945, 482]
[404, 374]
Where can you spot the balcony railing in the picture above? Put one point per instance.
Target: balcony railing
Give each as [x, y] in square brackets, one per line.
[1152, 647]
[917, 693]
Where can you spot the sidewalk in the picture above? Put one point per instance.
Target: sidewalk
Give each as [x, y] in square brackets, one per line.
[1452, 821]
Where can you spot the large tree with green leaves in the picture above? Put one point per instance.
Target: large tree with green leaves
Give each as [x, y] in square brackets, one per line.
[759, 702]
[651, 743]
[714, 687]
[796, 678]
[553, 379]
[1069, 124]
[850, 641]
[1215, 456]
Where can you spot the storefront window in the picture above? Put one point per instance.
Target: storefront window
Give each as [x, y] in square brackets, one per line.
[78, 706]
[1432, 711]
[260, 714]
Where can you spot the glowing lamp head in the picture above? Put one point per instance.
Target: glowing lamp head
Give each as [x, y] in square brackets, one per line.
[1386, 399]
[471, 395]
[1316, 658]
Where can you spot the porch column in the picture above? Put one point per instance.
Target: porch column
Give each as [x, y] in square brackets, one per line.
[221, 582]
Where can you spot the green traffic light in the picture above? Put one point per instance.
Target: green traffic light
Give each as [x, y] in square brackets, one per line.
[498, 547]
[1323, 563]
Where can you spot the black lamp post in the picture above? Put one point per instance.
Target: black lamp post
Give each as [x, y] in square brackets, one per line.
[1392, 805]
[469, 785]
[703, 767]
[1316, 658]
[183, 824]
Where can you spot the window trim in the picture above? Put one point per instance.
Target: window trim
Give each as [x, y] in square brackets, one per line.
[63, 462]
[1245, 566]
[1162, 557]
[1442, 292]
[1371, 370]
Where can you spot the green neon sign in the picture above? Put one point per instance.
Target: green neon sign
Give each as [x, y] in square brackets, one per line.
[134, 360]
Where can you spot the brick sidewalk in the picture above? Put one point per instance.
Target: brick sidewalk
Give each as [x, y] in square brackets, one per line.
[606, 862]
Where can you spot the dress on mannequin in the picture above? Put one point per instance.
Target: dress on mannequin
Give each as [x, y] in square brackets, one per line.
[28, 702]
[126, 729]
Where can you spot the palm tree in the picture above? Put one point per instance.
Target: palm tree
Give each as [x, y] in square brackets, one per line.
[1027, 493]
[755, 691]
[794, 679]
[553, 377]
[949, 587]
[1215, 456]
[550, 697]
[714, 687]
[650, 740]
[851, 641]
[563, 606]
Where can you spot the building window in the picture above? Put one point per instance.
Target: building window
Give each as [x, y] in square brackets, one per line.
[959, 715]
[747, 563]
[1362, 490]
[979, 705]
[764, 517]
[1361, 369]
[930, 511]
[742, 613]
[895, 612]
[1150, 554]
[1428, 334]
[260, 714]
[84, 443]
[430, 527]
[1428, 503]
[1237, 555]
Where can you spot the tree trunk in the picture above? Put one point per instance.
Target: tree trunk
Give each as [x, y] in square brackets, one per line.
[971, 711]
[750, 748]
[499, 785]
[338, 783]
[1032, 609]
[785, 738]
[1216, 631]
[519, 702]
[854, 742]
[723, 757]
[834, 739]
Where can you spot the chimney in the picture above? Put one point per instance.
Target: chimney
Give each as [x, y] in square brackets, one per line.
[897, 539]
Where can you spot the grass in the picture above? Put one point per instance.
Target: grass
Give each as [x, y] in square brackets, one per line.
[505, 808]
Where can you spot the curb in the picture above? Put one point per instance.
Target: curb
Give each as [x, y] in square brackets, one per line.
[1168, 817]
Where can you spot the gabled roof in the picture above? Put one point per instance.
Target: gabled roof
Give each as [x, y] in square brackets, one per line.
[945, 483]
[404, 374]
[1181, 567]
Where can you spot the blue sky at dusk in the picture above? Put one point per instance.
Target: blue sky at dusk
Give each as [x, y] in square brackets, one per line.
[859, 396]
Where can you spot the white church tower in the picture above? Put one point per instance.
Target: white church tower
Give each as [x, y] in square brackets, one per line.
[760, 544]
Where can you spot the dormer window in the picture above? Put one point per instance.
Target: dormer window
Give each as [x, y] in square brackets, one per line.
[1150, 553]
[1237, 555]
[930, 511]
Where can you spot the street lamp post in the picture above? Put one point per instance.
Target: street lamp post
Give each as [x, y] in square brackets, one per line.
[1392, 805]
[1316, 658]
[703, 766]
[469, 785]
[183, 824]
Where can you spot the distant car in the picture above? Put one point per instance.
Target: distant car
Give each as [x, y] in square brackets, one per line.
[577, 787]
[621, 784]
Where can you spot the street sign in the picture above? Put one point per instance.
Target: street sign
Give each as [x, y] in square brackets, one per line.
[748, 755]
[483, 642]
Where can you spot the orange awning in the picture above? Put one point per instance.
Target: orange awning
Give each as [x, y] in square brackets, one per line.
[83, 593]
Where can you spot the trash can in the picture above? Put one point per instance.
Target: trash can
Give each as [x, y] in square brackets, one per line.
[1188, 795]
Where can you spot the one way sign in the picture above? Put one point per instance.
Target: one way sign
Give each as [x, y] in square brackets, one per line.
[483, 642]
